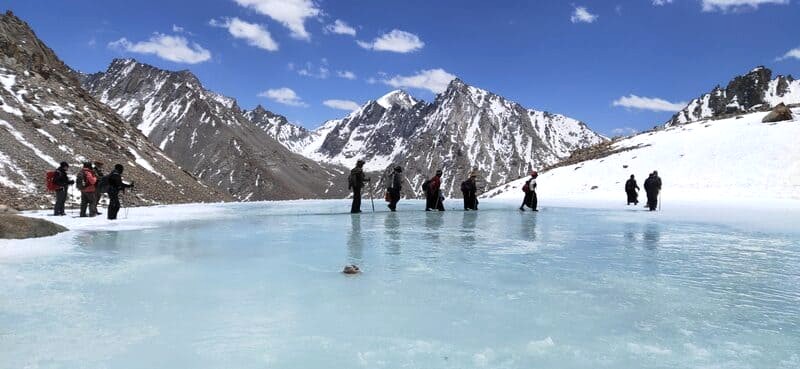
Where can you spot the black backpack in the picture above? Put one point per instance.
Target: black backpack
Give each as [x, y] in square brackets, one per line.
[426, 185]
[80, 181]
[102, 184]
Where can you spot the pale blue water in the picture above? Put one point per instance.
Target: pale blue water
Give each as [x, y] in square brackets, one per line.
[564, 288]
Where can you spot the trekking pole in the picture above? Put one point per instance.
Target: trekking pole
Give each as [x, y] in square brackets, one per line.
[372, 200]
[659, 201]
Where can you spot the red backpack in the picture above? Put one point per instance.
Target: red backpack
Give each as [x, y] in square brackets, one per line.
[50, 181]
[526, 186]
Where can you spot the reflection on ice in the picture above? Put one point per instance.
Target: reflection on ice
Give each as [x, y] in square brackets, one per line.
[262, 287]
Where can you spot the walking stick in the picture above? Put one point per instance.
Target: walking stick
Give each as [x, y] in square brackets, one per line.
[371, 200]
[659, 201]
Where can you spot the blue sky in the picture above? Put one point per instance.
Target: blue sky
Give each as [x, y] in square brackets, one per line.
[574, 58]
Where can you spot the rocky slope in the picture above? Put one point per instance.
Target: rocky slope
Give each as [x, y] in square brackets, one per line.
[754, 91]
[464, 129]
[209, 134]
[46, 117]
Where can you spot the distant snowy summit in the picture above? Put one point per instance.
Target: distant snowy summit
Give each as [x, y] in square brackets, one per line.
[465, 128]
[754, 91]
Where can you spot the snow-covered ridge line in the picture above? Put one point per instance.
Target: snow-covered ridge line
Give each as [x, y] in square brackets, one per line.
[733, 158]
[754, 91]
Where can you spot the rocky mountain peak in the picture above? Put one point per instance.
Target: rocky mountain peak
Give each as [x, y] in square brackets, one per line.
[397, 98]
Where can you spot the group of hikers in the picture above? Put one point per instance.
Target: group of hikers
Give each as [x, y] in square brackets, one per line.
[92, 184]
[432, 188]
[652, 187]
[434, 198]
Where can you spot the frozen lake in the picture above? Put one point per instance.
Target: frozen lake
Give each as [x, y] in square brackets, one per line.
[259, 286]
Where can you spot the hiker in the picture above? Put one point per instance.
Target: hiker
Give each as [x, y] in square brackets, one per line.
[434, 199]
[529, 188]
[469, 189]
[61, 183]
[115, 186]
[652, 185]
[632, 189]
[97, 169]
[85, 182]
[395, 187]
[356, 183]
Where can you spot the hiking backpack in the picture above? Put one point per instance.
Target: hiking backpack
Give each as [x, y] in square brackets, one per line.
[102, 184]
[426, 185]
[80, 181]
[527, 186]
[50, 181]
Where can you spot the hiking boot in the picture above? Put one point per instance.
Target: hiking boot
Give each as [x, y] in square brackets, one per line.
[521, 208]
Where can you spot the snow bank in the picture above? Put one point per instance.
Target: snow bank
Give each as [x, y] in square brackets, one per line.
[729, 161]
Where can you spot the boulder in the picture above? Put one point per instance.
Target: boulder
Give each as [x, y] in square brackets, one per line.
[779, 113]
[6, 210]
[19, 227]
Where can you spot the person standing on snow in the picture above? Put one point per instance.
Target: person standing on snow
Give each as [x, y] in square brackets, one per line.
[356, 183]
[115, 186]
[529, 188]
[396, 186]
[469, 190]
[97, 169]
[434, 198]
[85, 182]
[62, 182]
[652, 185]
[632, 189]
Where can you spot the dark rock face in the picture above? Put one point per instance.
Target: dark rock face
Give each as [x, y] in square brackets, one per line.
[754, 91]
[464, 129]
[46, 117]
[779, 113]
[209, 135]
[19, 227]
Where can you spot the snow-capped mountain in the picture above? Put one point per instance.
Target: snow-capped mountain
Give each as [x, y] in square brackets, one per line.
[209, 135]
[728, 159]
[754, 91]
[46, 117]
[465, 128]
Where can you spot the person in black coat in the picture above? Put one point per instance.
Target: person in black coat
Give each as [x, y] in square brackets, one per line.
[632, 189]
[469, 190]
[356, 183]
[652, 185]
[115, 186]
[395, 187]
[63, 182]
[530, 200]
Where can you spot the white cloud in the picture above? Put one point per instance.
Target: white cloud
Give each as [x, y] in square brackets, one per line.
[177, 29]
[342, 104]
[310, 70]
[434, 80]
[661, 2]
[283, 95]
[346, 74]
[736, 5]
[582, 15]
[791, 54]
[395, 41]
[290, 13]
[172, 48]
[340, 27]
[648, 103]
[254, 34]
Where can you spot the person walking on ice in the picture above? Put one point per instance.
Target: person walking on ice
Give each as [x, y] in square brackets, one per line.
[632, 190]
[652, 185]
[433, 193]
[469, 189]
[356, 183]
[395, 187]
[529, 188]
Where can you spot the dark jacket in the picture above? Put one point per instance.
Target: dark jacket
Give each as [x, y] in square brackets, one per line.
[435, 184]
[62, 179]
[652, 184]
[115, 184]
[357, 178]
[397, 181]
[469, 186]
[631, 186]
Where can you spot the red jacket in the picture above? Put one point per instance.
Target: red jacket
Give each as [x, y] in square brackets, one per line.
[435, 184]
[91, 180]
